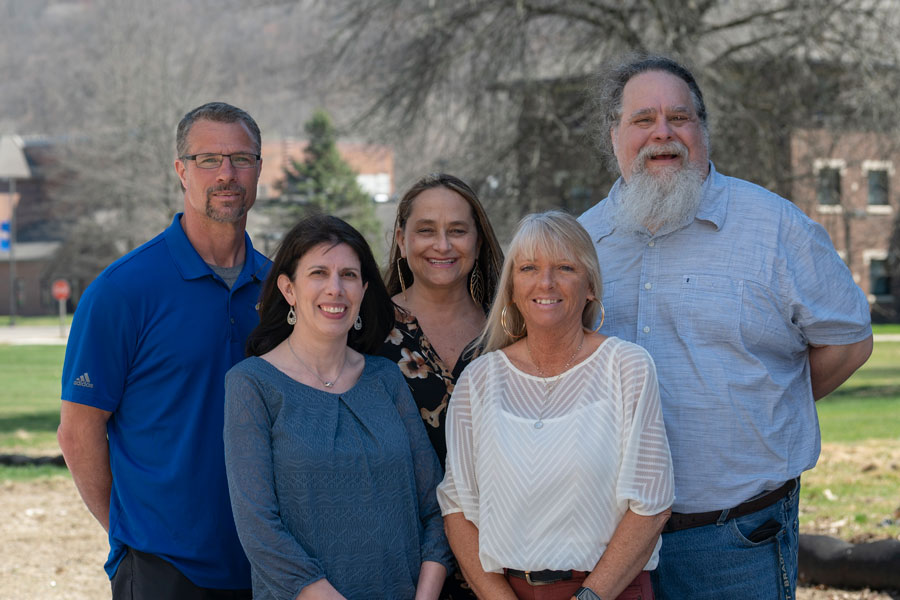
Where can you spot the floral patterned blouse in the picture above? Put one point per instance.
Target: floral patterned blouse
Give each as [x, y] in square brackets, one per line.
[430, 380]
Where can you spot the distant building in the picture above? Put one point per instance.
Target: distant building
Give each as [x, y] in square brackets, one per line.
[848, 184]
[36, 236]
[374, 165]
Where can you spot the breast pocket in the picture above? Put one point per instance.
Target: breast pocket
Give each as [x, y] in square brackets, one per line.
[710, 309]
[620, 311]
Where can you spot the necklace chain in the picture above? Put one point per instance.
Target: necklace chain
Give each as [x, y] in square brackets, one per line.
[327, 384]
[548, 386]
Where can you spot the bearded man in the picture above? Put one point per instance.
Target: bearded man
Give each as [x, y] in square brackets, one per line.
[750, 317]
[143, 384]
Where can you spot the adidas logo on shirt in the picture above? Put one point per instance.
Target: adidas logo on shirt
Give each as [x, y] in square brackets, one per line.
[84, 381]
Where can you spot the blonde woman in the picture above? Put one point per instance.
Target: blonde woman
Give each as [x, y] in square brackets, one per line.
[558, 475]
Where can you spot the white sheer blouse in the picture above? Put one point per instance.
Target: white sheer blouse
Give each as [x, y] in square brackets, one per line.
[550, 497]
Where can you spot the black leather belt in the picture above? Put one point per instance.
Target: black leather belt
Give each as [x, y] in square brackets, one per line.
[544, 577]
[679, 521]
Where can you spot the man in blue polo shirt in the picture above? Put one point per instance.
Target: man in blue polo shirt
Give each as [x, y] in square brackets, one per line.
[143, 381]
[750, 317]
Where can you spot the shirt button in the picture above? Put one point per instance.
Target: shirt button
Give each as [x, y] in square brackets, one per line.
[232, 320]
[646, 329]
[648, 285]
[651, 244]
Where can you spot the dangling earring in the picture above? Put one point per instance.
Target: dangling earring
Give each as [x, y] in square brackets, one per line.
[503, 319]
[602, 315]
[476, 284]
[357, 324]
[400, 275]
[291, 316]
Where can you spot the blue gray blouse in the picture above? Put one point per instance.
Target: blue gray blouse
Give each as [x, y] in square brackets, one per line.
[334, 486]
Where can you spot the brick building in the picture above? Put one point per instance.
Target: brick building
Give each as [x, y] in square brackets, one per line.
[848, 183]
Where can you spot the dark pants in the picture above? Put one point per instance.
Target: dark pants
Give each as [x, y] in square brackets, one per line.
[143, 576]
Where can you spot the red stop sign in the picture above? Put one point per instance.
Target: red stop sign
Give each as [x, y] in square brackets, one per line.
[60, 289]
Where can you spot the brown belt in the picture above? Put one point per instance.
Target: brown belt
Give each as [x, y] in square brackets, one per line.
[679, 521]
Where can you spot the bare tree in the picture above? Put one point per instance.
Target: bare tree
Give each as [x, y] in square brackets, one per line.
[106, 83]
[486, 81]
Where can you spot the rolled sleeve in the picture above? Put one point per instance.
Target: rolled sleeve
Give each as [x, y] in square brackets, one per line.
[828, 306]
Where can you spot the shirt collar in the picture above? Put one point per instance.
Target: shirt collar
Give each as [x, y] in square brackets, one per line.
[713, 204]
[192, 266]
[714, 201]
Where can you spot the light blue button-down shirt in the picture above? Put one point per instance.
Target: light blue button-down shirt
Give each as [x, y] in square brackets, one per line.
[728, 304]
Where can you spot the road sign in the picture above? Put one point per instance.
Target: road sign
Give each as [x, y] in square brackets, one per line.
[60, 289]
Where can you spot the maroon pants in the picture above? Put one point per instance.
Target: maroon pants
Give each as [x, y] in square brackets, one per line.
[639, 589]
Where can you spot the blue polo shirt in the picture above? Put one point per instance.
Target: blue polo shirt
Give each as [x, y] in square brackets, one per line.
[151, 342]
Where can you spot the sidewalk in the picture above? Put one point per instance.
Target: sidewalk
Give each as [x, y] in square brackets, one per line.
[22, 335]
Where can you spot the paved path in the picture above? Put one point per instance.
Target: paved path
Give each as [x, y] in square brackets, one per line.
[19, 335]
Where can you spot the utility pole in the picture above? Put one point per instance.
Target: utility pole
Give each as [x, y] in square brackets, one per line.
[13, 165]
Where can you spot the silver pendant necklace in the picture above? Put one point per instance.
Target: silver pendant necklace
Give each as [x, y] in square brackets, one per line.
[550, 387]
[327, 384]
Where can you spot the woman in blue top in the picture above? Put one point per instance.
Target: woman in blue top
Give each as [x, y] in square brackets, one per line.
[331, 474]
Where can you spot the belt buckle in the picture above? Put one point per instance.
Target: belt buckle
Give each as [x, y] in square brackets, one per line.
[534, 583]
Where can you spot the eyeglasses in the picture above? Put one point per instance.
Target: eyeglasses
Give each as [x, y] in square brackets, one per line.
[239, 160]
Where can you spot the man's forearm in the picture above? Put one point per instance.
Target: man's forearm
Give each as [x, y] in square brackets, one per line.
[830, 366]
[94, 482]
[85, 447]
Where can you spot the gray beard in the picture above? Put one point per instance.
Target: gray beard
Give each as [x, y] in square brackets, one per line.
[657, 202]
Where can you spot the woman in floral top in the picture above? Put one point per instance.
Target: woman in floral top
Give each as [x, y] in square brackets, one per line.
[445, 263]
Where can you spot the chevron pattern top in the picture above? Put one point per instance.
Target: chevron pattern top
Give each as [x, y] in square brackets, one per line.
[551, 497]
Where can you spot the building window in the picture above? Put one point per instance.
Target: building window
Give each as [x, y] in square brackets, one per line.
[828, 186]
[879, 278]
[878, 188]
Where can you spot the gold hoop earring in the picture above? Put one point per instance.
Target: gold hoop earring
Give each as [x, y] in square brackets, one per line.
[291, 316]
[503, 319]
[476, 285]
[400, 276]
[602, 315]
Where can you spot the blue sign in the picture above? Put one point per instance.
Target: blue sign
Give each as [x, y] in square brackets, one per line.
[4, 236]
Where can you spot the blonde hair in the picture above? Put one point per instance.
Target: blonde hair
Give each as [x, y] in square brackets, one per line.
[552, 233]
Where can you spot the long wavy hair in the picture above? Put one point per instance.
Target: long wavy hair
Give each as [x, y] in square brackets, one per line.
[376, 309]
[490, 256]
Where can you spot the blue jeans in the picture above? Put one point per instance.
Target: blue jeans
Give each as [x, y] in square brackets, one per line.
[718, 561]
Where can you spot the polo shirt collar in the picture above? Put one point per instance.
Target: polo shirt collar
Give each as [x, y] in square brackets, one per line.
[713, 204]
[192, 266]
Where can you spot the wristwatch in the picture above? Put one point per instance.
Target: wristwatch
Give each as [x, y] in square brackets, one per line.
[585, 593]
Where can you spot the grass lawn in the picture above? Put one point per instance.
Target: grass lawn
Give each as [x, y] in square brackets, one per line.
[854, 491]
[886, 328]
[31, 472]
[867, 406]
[35, 321]
[29, 398]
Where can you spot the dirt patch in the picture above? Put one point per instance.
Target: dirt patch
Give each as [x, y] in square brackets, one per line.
[54, 549]
[52, 546]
